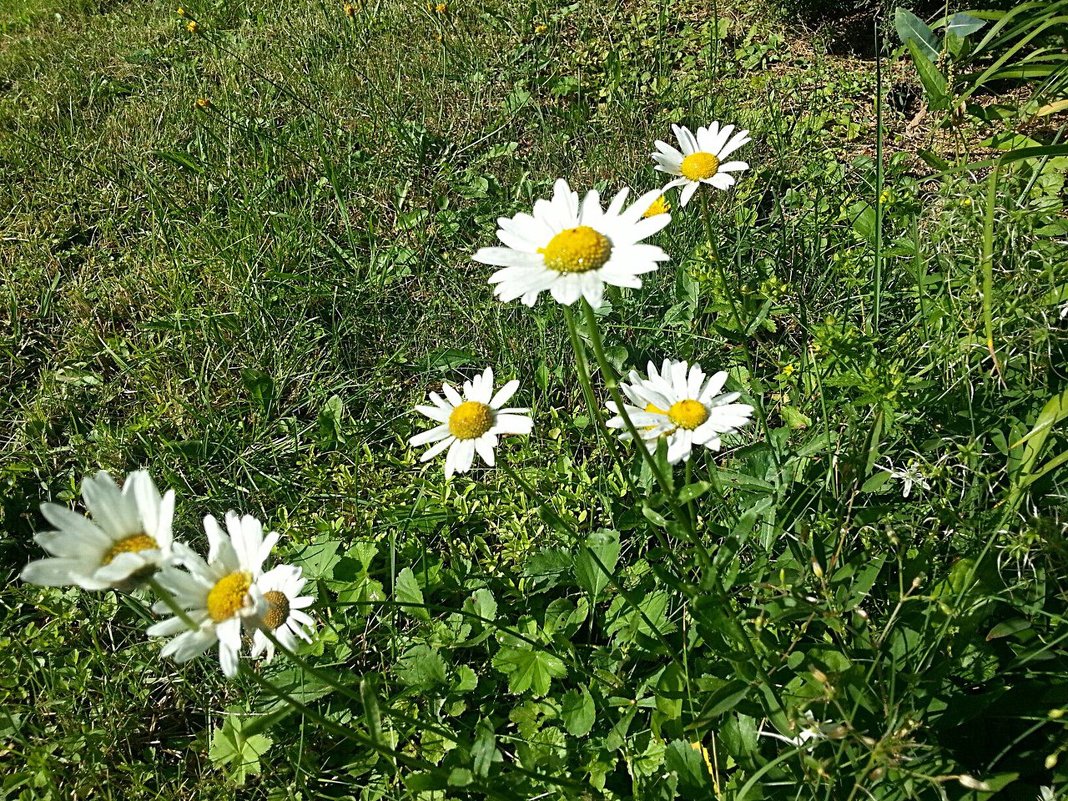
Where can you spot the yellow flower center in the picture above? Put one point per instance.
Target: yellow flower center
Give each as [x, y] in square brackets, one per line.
[699, 166]
[470, 420]
[658, 206]
[277, 609]
[228, 596]
[577, 250]
[688, 414]
[131, 544]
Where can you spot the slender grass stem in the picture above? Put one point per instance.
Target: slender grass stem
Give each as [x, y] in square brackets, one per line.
[878, 278]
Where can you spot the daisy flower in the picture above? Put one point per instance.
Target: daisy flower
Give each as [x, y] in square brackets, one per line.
[281, 588]
[128, 538]
[470, 423]
[681, 404]
[703, 159]
[573, 249]
[220, 595]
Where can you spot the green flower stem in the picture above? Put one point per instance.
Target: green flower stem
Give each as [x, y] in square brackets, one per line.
[164, 595]
[612, 384]
[329, 725]
[613, 389]
[583, 368]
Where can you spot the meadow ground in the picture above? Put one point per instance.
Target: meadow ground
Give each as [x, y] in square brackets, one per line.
[236, 248]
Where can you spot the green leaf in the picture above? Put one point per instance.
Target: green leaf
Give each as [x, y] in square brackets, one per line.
[484, 750]
[1008, 628]
[421, 667]
[260, 386]
[604, 545]
[1055, 410]
[330, 422]
[963, 25]
[528, 669]
[934, 82]
[460, 777]
[654, 517]
[725, 698]
[318, 558]
[863, 215]
[795, 418]
[466, 679]
[688, 764]
[578, 712]
[692, 492]
[914, 31]
[407, 591]
[234, 748]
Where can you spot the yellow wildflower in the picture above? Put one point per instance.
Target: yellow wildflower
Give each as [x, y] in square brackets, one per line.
[203, 102]
[441, 8]
[192, 26]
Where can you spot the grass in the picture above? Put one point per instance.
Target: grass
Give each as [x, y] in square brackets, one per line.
[251, 293]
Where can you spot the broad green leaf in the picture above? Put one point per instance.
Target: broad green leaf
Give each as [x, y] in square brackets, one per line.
[962, 24]
[484, 750]
[331, 418]
[421, 667]
[1055, 410]
[601, 547]
[914, 31]
[692, 492]
[1008, 628]
[238, 751]
[528, 669]
[318, 558]
[654, 517]
[466, 679]
[408, 592]
[578, 711]
[671, 691]
[725, 698]
[482, 606]
[934, 82]
[687, 762]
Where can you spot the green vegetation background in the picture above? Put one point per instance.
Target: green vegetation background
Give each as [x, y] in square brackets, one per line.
[250, 293]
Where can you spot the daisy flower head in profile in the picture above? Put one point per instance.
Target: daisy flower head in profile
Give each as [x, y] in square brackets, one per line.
[470, 423]
[128, 538]
[219, 596]
[680, 403]
[284, 617]
[572, 249]
[702, 159]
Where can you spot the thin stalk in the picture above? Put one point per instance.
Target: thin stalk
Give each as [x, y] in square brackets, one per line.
[583, 368]
[988, 264]
[704, 556]
[611, 383]
[878, 180]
